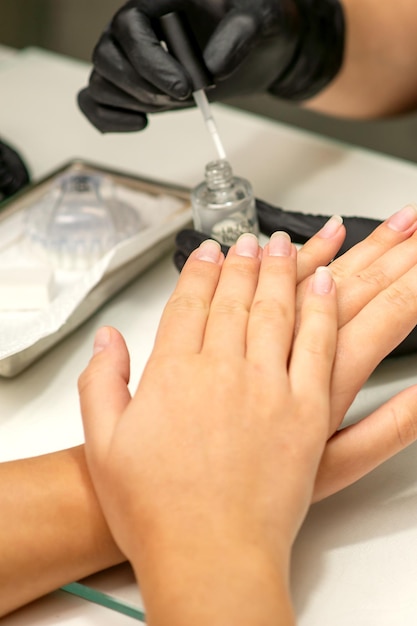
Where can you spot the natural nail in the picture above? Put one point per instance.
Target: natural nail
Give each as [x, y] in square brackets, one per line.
[331, 227]
[322, 281]
[247, 245]
[280, 244]
[102, 339]
[403, 219]
[209, 250]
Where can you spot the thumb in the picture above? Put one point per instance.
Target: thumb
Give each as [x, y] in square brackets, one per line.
[103, 391]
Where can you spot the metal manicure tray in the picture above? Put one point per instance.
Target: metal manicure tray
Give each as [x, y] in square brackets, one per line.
[112, 282]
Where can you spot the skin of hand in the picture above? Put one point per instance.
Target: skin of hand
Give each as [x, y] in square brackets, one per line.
[59, 482]
[378, 76]
[376, 282]
[371, 279]
[206, 474]
[362, 274]
[57, 487]
[52, 530]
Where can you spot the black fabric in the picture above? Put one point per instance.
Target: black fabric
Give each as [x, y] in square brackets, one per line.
[300, 227]
[13, 172]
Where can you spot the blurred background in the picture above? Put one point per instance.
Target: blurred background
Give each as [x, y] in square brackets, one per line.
[71, 27]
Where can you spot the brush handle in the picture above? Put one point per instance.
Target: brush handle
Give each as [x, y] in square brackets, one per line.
[183, 46]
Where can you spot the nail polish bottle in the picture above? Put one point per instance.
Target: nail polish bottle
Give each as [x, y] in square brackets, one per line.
[223, 205]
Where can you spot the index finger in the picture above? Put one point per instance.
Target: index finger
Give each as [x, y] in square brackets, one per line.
[184, 319]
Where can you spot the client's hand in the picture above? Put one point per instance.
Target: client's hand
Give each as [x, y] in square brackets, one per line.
[376, 285]
[206, 474]
[375, 317]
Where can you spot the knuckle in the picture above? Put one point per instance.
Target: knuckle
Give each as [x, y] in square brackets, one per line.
[230, 306]
[245, 267]
[122, 19]
[102, 52]
[318, 348]
[402, 297]
[374, 277]
[271, 309]
[86, 378]
[319, 334]
[187, 302]
[339, 271]
[405, 423]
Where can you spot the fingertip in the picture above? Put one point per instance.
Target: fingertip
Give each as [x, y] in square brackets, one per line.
[102, 339]
[110, 347]
[180, 89]
[331, 227]
[404, 219]
[105, 337]
[280, 244]
[210, 251]
[247, 246]
[322, 281]
[107, 119]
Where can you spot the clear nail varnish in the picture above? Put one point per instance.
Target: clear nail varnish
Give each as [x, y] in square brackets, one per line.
[224, 205]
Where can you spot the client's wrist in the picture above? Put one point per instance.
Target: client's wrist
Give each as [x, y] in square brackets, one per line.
[199, 576]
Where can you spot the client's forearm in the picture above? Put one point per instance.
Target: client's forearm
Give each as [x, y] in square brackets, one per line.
[52, 530]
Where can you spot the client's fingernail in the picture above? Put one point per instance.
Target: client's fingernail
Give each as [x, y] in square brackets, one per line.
[322, 281]
[247, 245]
[404, 219]
[331, 227]
[102, 339]
[209, 250]
[280, 244]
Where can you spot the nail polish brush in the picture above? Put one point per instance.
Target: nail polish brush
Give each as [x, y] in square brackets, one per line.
[182, 44]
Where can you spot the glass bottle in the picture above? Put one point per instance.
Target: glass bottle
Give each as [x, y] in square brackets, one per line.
[224, 205]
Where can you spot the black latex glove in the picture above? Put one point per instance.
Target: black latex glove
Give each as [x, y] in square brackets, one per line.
[13, 172]
[300, 227]
[293, 48]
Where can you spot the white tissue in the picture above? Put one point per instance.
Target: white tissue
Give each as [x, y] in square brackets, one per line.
[19, 329]
[25, 288]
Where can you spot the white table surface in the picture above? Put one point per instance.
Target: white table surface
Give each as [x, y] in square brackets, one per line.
[355, 561]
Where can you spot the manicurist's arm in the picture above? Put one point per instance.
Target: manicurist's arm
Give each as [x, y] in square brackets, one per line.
[349, 58]
[379, 73]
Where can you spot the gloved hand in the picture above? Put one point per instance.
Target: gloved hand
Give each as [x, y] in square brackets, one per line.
[293, 48]
[13, 172]
[300, 227]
